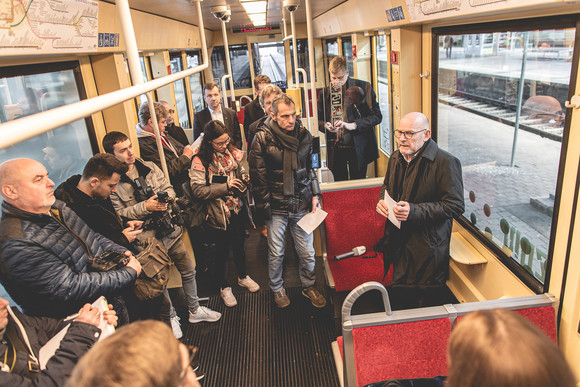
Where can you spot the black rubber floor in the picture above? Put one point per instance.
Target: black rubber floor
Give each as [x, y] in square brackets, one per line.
[256, 344]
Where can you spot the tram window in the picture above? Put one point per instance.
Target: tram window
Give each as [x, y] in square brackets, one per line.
[347, 52]
[500, 110]
[143, 97]
[269, 60]
[302, 48]
[176, 63]
[240, 60]
[382, 49]
[331, 47]
[195, 82]
[26, 90]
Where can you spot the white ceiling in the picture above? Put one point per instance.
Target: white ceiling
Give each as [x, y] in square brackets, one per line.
[185, 11]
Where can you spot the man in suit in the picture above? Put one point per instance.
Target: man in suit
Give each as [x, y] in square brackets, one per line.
[253, 111]
[172, 129]
[348, 113]
[215, 111]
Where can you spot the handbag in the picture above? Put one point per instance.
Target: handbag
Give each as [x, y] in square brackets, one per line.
[155, 266]
[196, 212]
[109, 260]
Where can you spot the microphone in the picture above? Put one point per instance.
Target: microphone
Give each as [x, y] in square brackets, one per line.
[360, 250]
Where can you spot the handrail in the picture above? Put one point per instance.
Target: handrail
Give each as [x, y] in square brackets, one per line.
[25, 128]
[359, 291]
[223, 84]
[229, 68]
[306, 102]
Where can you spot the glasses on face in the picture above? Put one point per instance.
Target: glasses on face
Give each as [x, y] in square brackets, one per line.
[171, 111]
[408, 135]
[223, 143]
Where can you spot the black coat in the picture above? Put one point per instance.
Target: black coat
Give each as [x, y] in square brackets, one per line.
[98, 214]
[77, 341]
[177, 166]
[252, 113]
[177, 133]
[46, 262]
[230, 121]
[366, 115]
[267, 172]
[433, 185]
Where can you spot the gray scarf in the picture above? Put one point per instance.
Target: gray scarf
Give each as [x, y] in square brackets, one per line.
[290, 144]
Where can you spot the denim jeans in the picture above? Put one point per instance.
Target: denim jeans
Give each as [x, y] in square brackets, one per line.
[184, 265]
[303, 241]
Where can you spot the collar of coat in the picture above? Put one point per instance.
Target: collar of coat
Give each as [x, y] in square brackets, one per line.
[10, 210]
[428, 151]
[142, 169]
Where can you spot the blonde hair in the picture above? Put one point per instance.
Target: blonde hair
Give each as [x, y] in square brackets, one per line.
[338, 63]
[501, 348]
[141, 354]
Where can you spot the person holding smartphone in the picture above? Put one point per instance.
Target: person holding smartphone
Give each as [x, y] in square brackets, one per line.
[218, 176]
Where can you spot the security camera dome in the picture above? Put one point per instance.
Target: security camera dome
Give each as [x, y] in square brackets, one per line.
[219, 11]
[291, 5]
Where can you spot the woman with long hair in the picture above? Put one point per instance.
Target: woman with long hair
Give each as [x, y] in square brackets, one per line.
[218, 177]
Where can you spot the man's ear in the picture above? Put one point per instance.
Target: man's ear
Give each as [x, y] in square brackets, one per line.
[94, 181]
[427, 134]
[9, 191]
[272, 115]
[149, 122]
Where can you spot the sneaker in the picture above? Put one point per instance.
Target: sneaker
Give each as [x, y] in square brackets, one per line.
[199, 375]
[314, 296]
[228, 297]
[204, 314]
[176, 327]
[249, 283]
[281, 299]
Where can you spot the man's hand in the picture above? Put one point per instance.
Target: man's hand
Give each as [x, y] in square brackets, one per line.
[328, 126]
[345, 125]
[315, 203]
[110, 316]
[401, 211]
[188, 151]
[134, 224]
[134, 263]
[152, 204]
[130, 233]
[90, 315]
[382, 208]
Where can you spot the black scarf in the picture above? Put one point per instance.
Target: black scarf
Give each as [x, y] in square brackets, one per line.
[290, 144]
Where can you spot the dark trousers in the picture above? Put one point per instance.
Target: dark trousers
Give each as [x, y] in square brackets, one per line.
[345, 163]
[157, 308]
[224, 240]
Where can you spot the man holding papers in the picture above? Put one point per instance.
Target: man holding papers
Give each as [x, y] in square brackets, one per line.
[423, 189]
[286, 188]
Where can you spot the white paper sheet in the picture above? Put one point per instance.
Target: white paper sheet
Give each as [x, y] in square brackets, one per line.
[310, 221]
[49, 349]
[391, 204]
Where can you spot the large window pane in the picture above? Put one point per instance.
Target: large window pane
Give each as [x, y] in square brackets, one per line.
[347, 53]
[382, 49]
[487, 83]
[240, 60]
[271, 62]
[63, 151]
[176, 63]
[195, 82]
[143, 97]
[302, 48]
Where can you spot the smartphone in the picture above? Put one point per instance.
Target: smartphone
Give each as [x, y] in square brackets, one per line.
[219, 179]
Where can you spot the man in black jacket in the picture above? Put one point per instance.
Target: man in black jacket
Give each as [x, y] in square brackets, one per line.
[253, 111]
[285, 186]
[46, 249]
[215, 111]
[22, 337]
[427, 185]
[348, 113]
[172, 129]
[178, 156]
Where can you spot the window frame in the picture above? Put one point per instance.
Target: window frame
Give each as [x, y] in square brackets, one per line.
[554, 22]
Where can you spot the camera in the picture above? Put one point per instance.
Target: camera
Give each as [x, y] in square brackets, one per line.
[291, 5]
[221, 12]
[240, 192]
[164, 222]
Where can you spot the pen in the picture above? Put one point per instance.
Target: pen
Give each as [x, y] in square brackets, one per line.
[71, 317]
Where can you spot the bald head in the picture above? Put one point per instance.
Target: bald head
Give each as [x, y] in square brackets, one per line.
[416, 120]
[169, 110]
[412, 134]
[24, 183]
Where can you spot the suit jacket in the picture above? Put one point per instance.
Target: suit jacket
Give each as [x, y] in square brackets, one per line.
[252, 113]
[230, 121]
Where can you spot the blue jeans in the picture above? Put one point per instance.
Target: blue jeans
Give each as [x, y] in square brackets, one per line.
[182, 262]
[304, 247]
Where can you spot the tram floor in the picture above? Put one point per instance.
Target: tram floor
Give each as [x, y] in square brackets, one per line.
[255, 343]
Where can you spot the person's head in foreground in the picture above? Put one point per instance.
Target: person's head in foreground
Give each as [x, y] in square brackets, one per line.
[141, 354]
[500, 348]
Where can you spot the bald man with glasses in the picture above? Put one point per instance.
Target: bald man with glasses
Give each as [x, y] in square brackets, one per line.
[426, 184]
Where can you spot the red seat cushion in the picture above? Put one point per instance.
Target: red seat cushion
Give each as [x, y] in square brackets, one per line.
[353, 221]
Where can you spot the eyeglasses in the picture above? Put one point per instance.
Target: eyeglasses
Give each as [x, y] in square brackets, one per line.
[408, 135]
[171, 111]
[223, 143]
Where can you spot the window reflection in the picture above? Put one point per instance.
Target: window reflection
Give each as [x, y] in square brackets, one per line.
[240, 60]
[302, 48]
[63, 151]
[176, 63]
[270, 61]
[383, 92]
[195, 82]
[489, 85]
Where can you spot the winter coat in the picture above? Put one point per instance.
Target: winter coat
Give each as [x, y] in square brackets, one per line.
[98, 214]
[252, 113]
[76, 342]
[366, 115]
[267, 173]
[46, 261]
[432, 183]
[177, 166]
[214, 192]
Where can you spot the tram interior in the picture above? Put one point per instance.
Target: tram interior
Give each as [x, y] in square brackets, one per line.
[497, 80]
